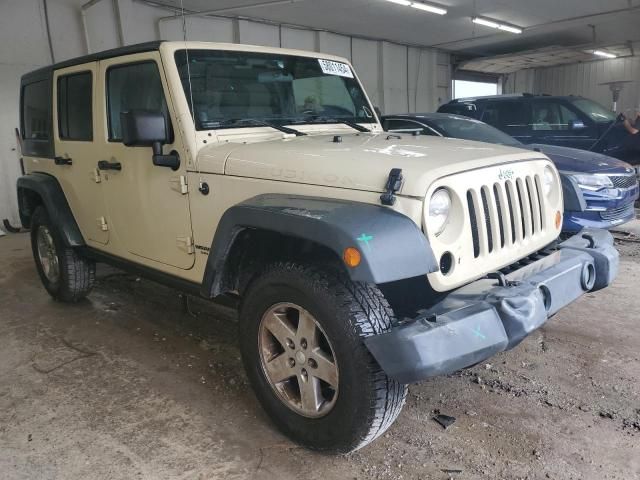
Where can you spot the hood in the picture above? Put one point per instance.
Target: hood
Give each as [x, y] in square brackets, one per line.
[583, 161]
[357, 161]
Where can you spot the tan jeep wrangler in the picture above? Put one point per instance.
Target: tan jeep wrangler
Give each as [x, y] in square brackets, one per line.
[362, 261]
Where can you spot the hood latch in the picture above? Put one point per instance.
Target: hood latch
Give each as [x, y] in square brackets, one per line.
[394, 182]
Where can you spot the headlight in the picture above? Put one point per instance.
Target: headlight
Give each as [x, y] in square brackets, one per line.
[547, 181]
[439, 207]
[592, 182]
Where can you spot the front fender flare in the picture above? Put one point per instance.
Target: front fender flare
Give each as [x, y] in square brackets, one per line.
[391, 245]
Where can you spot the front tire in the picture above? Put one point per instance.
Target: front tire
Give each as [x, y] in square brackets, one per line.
[301, 337]
[65, 274]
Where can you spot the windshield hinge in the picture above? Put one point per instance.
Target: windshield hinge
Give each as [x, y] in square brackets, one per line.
[394, 182]
[102, 224]
[179, 184]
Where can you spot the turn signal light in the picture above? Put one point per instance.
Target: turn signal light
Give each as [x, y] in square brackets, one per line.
[558, 220]
[351, 257]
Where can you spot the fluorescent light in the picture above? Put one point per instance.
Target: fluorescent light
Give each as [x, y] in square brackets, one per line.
[604, 54]
[510, 29]
[494, 24]
[486, 23]
[429, 8]
[404, 3]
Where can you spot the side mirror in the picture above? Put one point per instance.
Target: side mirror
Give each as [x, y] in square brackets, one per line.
[143, 128]
[576, 125]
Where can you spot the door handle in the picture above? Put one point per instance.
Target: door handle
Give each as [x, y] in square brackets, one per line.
[105, 165]
[62, 161]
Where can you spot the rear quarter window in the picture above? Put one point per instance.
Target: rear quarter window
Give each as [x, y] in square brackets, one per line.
[35, 113]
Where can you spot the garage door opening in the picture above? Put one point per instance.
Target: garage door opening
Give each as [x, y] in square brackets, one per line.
[468, 88]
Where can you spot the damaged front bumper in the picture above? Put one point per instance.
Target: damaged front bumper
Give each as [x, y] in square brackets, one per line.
[488, 316]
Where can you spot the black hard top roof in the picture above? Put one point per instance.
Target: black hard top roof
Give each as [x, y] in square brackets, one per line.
[45, 72]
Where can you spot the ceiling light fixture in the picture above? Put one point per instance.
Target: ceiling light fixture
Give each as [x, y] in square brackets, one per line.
[425, 7]
[602, 53]
[497, 25]
[429, 8]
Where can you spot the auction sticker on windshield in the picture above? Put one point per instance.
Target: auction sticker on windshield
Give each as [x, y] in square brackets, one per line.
[335, 68]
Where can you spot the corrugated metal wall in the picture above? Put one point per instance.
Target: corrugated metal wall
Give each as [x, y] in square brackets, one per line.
[398, 78]
[583, 79]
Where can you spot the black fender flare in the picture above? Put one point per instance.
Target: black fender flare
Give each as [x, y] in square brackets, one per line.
[392, 246]
[53, 198]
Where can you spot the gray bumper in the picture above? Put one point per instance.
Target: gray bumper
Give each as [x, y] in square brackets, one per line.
[486, 317]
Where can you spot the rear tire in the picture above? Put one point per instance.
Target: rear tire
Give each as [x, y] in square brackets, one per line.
[364, 402]
[65, 274]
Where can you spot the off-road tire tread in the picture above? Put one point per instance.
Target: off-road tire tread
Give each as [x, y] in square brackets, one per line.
[77, 273]
[370, 314]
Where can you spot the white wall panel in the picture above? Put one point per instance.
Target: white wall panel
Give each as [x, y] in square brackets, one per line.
[140, 21]
[102, 26]
[583, 79]
[253, 33]
[394, 77]
[198, 28]
[366, 62]
[335, 44]
[298, 38]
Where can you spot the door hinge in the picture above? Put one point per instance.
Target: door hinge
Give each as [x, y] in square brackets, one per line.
[179, 184]
[95, 175]
[186, 244]
[102, 223]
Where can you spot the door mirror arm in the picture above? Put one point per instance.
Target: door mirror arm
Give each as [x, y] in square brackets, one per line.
[160, 160]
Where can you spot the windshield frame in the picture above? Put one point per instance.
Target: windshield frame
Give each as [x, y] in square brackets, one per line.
[290, 118]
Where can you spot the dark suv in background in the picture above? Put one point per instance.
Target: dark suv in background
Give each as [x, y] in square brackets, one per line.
[567, 121]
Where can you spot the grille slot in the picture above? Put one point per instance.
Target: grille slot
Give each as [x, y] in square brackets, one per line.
[505, 213]
[618, 213]
[623, 181]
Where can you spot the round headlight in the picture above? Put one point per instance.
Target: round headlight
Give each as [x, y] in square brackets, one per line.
[548, 179]
[438, 214]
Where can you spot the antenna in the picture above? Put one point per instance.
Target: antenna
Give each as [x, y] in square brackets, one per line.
[193, 112]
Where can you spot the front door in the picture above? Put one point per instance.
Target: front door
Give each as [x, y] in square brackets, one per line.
[76, 152]
[148, 204]
[555, 123]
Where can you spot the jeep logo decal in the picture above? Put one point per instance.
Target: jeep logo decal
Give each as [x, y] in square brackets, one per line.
[507, 174]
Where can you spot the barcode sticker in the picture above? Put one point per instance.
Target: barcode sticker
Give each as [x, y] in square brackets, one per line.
[335, 68]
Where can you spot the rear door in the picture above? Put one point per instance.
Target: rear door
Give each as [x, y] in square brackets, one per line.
[510, 116]
[76, 151]
[555, 122]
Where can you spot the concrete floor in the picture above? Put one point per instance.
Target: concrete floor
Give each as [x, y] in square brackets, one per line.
[128, 385]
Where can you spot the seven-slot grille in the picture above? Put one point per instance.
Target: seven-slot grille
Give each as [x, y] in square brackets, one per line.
[505, 213]
[623, 181]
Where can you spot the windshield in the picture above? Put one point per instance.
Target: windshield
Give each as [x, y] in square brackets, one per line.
[596, 112]
[468, 129]
[230, 86]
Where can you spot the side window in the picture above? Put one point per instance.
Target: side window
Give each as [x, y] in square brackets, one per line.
[406, 126]
[36, 108]
[75, 116]
[133, 86]
[506, 115]
[549, 116]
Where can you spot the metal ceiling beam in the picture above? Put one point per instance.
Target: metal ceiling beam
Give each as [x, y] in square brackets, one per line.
[216, 11]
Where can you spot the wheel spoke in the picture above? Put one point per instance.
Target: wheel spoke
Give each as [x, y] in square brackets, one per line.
[278, 368]
[279, 327]
[306, 328]
[310, 395]
[326, 369]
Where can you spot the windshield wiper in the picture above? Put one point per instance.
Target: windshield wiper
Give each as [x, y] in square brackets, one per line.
[344, 121]
[263, 123]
